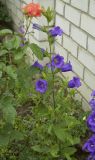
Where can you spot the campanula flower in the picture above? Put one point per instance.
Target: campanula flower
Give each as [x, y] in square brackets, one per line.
[90, 144]
[57, 61]
[22, 45]
[56, 31]
[75, 82]
[91, 157]
[43, 50]
[32, 10]
[93, 93]
[92, 104]
[21, 30]
[41, 86]
[38, 65]
[36, 26]
[91, 121]
[66, 67]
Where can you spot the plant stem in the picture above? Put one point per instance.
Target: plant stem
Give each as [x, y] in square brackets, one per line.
[27, 27]
[53, 79]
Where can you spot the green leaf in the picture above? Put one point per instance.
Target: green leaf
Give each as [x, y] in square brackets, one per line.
[59, 132]
[17, 135]
[40, 149]
[69, 151]
[37, 51]
[12, 43]
[11, 72]
[19, 55]
[9, 114]
[64, 135]
[3, 52]
[5, 32]
[2, 65]
[54, 150]
[4, 139]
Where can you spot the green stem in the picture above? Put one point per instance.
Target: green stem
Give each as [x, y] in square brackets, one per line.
[27, 27]
[53, 76]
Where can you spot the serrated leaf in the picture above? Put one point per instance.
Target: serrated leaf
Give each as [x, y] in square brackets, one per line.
[9, 114]
[17, 135]
[4, 32]
[3, 52]
[37, 51]
[12, 43]
[54, 150]
[4, 140]
[69, 151]
[19, 55]
[11, 72]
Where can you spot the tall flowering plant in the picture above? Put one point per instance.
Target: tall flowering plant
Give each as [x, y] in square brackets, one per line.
[52, 124]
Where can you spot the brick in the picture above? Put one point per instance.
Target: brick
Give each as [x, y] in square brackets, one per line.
[92, 8]
[87, 59]
[59, 7]
[64, 24]
[86, 107]
[79, 36]
[80, 4]
[72, 15]
[89, 79]
[70, 45]
[91, 45]
[77, 66]
[61, 51]
[88, 24]
[85, 91]
[59, 40]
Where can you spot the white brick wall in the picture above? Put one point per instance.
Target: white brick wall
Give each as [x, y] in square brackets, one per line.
[70, 45]
[63, 24]
[92, 8]
[88, 24]
[79, 36]
[72, 15]
[80, 4]
[79, 40]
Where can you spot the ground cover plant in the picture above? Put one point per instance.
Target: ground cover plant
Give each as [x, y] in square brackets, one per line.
[40, 118]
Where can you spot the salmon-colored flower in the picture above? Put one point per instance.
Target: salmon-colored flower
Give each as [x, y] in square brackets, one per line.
[32, 10]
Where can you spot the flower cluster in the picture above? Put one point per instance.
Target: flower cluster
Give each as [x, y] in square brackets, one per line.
[56, 62]
[32, 10]
[90, 144]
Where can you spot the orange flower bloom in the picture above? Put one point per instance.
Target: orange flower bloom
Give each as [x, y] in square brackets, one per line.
[33, 10]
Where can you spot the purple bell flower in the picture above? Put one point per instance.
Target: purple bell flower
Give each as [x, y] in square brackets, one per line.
[37, 26]
[91, 121]
[57, 61]
[56, 31]
[93, 93]
[38, 65]
[21, 30]
[92, 104]
[91, 157]
[41, 86]
[75, 82]
[90, 145]
[66, 67]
